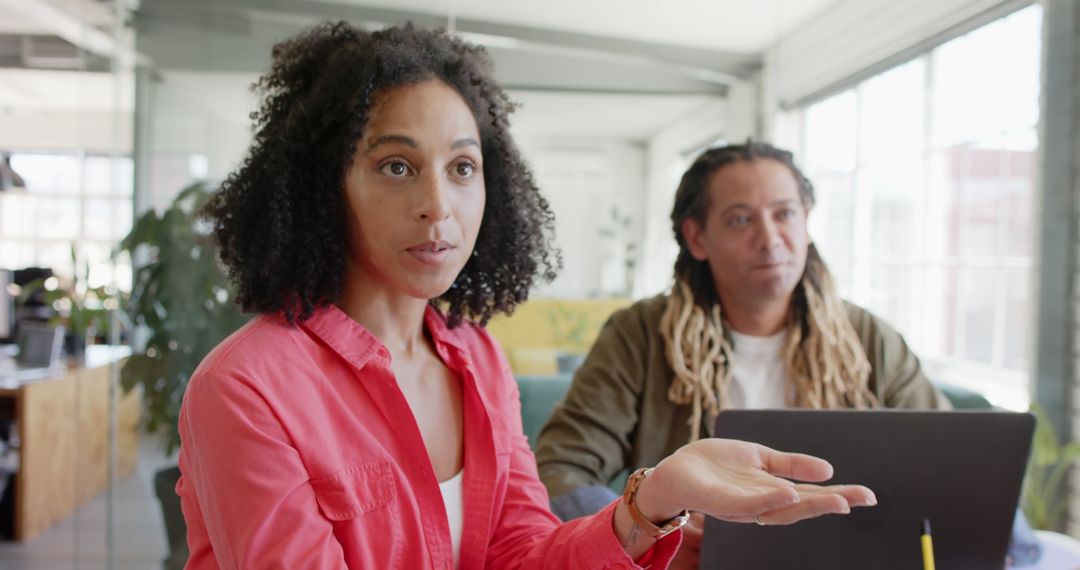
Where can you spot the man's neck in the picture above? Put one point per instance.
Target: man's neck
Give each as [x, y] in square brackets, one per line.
[759, 319]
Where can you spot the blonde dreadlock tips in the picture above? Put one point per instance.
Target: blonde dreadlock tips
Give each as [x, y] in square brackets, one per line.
[828, 366]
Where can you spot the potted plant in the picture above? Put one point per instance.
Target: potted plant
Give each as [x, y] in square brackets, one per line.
[85, 312]
[181, 306]
[1043, 497]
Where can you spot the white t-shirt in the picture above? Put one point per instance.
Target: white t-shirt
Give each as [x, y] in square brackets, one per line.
[452, 498]
[758, 374]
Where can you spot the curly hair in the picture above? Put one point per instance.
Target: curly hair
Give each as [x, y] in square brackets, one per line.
[280, 218]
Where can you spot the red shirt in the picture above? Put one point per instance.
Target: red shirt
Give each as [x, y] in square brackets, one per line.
[299, 451]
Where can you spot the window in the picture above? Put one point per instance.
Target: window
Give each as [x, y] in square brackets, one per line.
[75, 204]
[925, 183]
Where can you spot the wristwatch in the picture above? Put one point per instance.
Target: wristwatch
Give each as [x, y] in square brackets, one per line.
[630, 498]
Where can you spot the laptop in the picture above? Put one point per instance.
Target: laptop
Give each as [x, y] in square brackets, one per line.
[40, 347]
[961, 470]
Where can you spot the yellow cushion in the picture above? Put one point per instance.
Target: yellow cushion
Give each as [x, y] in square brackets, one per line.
[533, 361]
[541, 329]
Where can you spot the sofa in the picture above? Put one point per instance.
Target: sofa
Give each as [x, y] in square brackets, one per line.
[547, 336]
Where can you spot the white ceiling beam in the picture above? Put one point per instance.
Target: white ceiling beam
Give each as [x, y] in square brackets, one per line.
[64, 24]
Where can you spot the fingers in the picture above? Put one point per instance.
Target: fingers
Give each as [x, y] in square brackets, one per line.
[798, 466]
[811, 507]
[855, 495]
[819, 501]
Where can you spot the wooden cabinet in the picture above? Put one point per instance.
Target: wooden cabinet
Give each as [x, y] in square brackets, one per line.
[64, 425]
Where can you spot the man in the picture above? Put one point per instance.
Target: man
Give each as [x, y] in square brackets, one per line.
[753, 321]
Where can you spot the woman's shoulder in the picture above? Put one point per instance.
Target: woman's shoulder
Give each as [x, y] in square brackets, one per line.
[265, 344]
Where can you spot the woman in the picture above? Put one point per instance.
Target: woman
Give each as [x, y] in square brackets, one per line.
[364, 420]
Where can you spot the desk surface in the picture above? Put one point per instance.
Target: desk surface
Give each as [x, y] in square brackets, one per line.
[12, 377]
[1060, 552]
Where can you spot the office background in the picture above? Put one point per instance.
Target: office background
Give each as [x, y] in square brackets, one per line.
[943, 137]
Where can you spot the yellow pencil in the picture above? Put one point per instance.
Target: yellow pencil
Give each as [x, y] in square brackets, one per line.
[927, 546]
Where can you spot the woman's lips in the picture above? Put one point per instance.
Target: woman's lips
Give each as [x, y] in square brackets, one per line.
[431, 252]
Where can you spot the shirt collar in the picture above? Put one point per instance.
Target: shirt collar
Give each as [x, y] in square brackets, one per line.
[358, 345]
[440, 332]
[347, 337]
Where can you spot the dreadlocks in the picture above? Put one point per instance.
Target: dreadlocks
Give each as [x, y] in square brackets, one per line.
[822, 353]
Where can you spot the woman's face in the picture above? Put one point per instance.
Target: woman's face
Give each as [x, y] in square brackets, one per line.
[415, 191]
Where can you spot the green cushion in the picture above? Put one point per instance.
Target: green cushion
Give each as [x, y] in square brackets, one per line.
[962, 398]
[539, 396]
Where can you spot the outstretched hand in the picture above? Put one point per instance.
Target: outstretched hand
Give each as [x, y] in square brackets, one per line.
[745, 482]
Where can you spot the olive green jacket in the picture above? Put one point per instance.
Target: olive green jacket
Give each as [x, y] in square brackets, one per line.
[617, 416]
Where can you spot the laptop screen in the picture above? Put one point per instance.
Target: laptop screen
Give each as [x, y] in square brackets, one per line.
[960, 470]
[39, 344]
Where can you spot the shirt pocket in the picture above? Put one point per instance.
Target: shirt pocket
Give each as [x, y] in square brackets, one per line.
[352, 492]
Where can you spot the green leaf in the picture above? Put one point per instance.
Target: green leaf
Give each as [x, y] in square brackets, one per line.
[174, 295]
[1043, 490]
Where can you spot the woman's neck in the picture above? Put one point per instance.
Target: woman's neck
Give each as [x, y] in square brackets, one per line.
[396, 320]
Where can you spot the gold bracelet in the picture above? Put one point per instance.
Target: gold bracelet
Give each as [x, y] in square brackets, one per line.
[630, 499]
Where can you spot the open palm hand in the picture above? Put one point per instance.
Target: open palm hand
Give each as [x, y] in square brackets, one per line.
[739, 481]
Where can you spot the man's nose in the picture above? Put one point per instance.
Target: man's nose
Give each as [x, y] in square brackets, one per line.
[768, 234]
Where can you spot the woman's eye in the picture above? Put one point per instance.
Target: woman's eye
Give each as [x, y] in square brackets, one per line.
[464, 169]
[395, 168]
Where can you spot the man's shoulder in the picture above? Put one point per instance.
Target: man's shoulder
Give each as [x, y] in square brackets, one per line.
[867, 324]
[643, 315]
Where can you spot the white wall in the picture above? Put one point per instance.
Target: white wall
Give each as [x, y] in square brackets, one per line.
[66, 110]
[596, 189]
[95, 132]
[199, 128]
[668, 154]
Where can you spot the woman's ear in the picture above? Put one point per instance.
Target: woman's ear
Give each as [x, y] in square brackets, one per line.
[693, 234]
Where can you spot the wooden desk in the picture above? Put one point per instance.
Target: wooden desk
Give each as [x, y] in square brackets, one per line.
[63, 424]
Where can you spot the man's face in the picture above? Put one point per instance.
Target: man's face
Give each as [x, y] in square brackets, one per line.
[754, 236]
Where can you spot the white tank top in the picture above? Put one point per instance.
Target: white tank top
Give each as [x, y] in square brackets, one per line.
[452, 498]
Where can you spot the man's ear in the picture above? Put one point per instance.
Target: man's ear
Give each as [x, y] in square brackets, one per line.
[693, 233]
